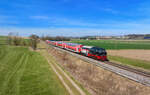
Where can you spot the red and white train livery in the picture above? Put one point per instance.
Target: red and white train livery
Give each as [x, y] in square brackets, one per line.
[90, 51]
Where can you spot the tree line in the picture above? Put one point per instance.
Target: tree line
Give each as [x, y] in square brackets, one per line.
[14, 39]
[57, 38]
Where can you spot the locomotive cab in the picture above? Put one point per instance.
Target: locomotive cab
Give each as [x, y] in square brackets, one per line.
[98, 53]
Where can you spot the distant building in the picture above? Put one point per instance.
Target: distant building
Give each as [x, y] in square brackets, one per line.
[103, 37]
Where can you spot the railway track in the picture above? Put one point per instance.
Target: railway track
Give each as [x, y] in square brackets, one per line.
[137, 75]
[141, 72]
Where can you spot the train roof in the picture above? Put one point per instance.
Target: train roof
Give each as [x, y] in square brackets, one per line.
[73, 44]
[87, 47]
[93, 47]
[59, 42]
[51, 41]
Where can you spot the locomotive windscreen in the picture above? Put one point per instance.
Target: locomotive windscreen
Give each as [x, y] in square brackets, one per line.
[99, 51]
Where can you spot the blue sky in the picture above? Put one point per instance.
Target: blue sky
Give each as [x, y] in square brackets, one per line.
[74, 17]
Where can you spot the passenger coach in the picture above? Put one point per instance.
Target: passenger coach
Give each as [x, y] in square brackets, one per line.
[89, 51]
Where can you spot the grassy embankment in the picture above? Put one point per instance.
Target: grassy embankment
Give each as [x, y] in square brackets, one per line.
[47, 54]
[120, 44]
[23, 72]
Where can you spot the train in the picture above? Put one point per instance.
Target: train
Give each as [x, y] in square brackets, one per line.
[89, 51]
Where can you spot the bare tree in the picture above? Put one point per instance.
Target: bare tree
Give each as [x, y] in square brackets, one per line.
[10, 38]
[17, 41]
[34, 40]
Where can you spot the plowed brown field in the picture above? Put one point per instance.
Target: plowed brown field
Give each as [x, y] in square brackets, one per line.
[135, 54]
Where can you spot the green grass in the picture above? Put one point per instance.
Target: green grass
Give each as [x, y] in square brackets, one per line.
[116, 44]
[23, 72]
[132, 62]
[3, 37]
[27, 40]
[3, 40]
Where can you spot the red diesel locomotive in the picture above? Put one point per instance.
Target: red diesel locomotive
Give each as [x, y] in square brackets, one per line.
[89, 51]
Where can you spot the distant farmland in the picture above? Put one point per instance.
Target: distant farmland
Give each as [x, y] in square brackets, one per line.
[116, 44]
